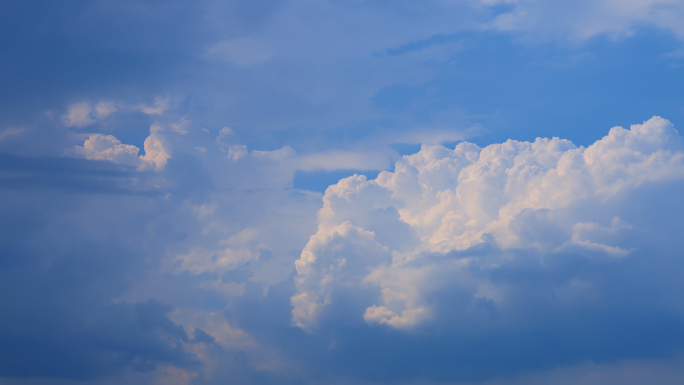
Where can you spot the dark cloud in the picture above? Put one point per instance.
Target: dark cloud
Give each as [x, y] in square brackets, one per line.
[70, 175]
[57, 281]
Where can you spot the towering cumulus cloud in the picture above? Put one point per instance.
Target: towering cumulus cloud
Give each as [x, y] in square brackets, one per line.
[431, 242]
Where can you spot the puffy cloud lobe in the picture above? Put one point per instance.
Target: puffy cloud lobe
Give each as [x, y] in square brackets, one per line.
[108, 147]
[161, 105]
[409, 235]
[84, 114]
[155, 154]
[327, 261]
[243, 247]
[78, 116]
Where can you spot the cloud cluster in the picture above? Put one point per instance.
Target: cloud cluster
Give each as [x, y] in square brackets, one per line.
[460, 264]
[108, 147]
[84, 114]
[487, 242]
[444, 216]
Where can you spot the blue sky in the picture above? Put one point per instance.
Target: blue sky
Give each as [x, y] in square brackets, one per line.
[341, 192]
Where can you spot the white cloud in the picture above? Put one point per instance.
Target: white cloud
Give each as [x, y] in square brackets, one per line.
[79, 115]
[237, 151]
[282, 154]
[155, 154]
[182, 126]
[108, 147]
[161, 105]
[548, 196]
[225, 132]
[84, 113]
[242, 247]
[104, 109]
[323, 263]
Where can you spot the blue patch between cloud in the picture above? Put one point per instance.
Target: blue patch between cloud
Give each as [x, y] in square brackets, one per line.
[320, 180]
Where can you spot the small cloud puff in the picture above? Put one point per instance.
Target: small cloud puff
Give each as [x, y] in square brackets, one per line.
[85, 113]
[108, 147]
[237, 151]
[79, 115]
[411, 234]
[161, 105]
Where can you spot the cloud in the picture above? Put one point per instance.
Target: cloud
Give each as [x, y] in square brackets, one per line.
[79, 115]
[156, 154]
[9, 132]
[99, 287]
[543, 20]
[411, 236]
[459, 264]
[335, 160]
[224, 132]
[161, 105]
[237, 151]
[464, 261]
[288, 158]
[108, 147]
[84, 114]
[104, 109]
[59, 320]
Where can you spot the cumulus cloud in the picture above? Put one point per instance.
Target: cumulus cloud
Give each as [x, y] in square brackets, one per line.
[411, 234]
[155, 154]
[108, 147]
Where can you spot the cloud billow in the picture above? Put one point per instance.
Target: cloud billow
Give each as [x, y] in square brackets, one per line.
[510, 247]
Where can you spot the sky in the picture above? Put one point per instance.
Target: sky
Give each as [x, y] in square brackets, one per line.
[341, 192]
